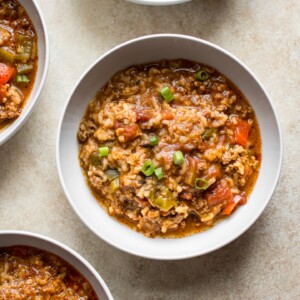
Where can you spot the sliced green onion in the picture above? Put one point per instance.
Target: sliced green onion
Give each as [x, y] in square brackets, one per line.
[148, 167]
[115, 185]
[159, 173]
[103, 151]
[202, 75]
[111, 174]
[153, 140]
[167, 94]
[178, 158]
[22, 79]
[201, 184]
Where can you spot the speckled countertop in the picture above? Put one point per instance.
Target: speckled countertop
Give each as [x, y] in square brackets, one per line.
[264, 263]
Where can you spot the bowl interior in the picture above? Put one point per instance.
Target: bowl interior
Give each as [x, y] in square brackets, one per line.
[35, 15]
[150, 49]
[8, 239]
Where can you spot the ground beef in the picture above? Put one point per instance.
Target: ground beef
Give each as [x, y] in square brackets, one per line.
[10, 104]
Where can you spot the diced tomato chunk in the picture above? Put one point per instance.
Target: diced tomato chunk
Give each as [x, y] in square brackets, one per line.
[167, 115]
[130, 132]
[214, 171]
[118, 124]
[237, 200]
[6, 72]
[241, 132]
[143, 115]
[221, 193]
[243, 199]
[229, 208]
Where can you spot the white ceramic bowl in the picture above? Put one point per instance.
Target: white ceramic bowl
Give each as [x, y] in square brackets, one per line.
[36, 16]
[159, 2]
[22, 238]
[150, 49]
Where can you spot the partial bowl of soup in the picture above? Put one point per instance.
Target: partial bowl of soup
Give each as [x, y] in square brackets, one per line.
[23, 63]
[36, 267]
[167, 154]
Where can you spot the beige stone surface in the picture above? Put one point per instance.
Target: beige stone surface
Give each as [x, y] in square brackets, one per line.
[263, 263]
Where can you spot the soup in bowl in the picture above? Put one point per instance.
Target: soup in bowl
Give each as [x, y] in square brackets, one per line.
[171, 134]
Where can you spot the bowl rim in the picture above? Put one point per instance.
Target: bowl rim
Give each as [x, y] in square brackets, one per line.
[161, 3]
[5, 135]
[239, 232]
[64, 247]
